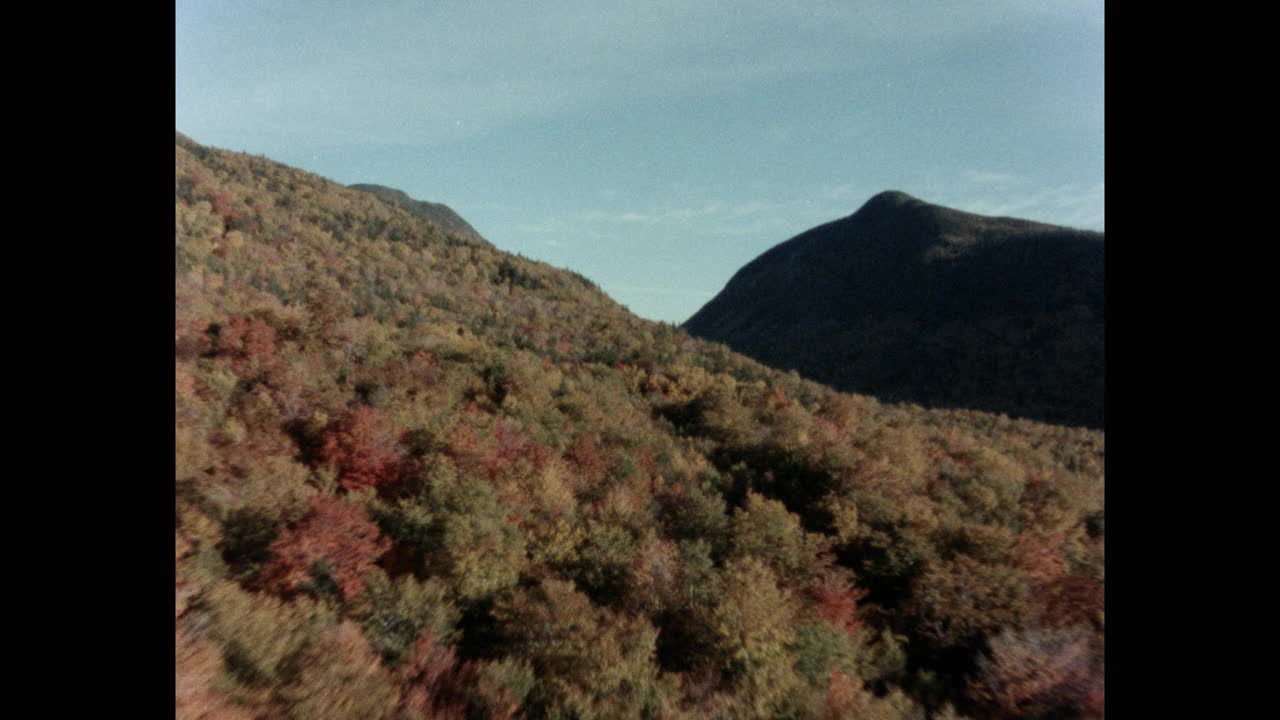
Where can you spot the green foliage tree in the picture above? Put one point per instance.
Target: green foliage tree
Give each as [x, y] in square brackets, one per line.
[763, 528]
[261, 636]
[753, 623]
[464, 532]
[958, 604]
[395, 613]
[590, 662]
[696, 511]
[339, 677]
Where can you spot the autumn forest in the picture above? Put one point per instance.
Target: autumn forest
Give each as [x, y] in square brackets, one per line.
[419, 477]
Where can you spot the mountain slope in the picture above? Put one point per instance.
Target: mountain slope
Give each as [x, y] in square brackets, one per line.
[435, 213]
[915, 302]
[416, 476]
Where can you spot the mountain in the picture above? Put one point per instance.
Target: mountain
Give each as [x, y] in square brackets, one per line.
[435, 213]
[417, 476]
[914, 302]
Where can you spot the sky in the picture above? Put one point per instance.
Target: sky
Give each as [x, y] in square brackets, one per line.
[656, 147]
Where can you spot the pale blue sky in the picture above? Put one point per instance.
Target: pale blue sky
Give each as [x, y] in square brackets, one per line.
[656, 147]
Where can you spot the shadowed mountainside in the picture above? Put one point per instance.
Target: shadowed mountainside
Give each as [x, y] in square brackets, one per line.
[915, 302]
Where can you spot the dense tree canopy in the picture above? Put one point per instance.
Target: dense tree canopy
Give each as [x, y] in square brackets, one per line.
[418, 477]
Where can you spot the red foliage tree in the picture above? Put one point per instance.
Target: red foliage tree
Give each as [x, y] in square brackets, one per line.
[464, 446]
[1034, 673]
[1074, 599]
[365, 448]
[434, 684]
[184, 384]
[224, 208]
[247, 340]
[1065, 599]
[648, 462]
[584, 454]
[777, 398]
[334, 538]
[510, 445]
[190, 333]
[837, 602]
[1095, 700]
[1040, 557]
[848, 697]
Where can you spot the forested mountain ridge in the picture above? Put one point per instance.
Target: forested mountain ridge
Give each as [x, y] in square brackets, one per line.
[915, 302]
[416, 476]
[436, 213]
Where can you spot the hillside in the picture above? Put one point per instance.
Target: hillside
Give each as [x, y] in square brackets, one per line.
[915, 302]
[435, 213]
[418, 477]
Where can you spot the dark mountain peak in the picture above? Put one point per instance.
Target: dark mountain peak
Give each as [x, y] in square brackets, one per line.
[907, 222]
[896, 208]
[897, 213]
[893, 214]
[912, 301]
[890, 199]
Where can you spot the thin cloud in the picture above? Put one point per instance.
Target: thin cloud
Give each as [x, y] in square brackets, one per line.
[452, 70]
[666, 291]
[986, 177]
[653, 217]
[1079, 205]
[542, 228]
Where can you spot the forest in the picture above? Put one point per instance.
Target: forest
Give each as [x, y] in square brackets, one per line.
[419, 477]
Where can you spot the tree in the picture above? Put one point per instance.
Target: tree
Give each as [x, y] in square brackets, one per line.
[261, 636]
[955, 605]
[1032, 673]
[720, 415]
[765, 529]
[364, 447]
[848, 699]
[591, 664]
[340, 678]
[464, 532]
[434, 683]
[836, 601]
[195, 697]
[1075, 599]
[395, 614]
[693, 510]
[333, 548]
[753, 624]
[248, 342]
